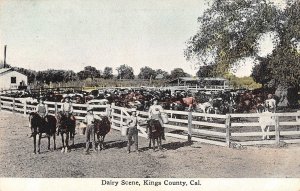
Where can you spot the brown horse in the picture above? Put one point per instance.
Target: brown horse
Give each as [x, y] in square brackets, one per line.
[40, 125]
[66, 126]
[102, 127]
[155, 131]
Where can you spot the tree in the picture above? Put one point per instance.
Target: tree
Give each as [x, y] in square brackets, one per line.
[206, 71]
[230, 31]
[69, 75]
[89, 72]
[163, 73]
[147, 73]
[108, 73]
[261, 72]
[178, 72]
[125, 72]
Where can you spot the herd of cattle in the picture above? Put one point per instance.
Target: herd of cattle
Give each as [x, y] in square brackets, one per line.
[222, 102]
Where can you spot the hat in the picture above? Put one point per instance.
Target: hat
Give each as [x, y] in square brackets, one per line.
[41, 98]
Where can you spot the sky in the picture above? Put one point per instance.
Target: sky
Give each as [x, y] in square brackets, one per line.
[72, 34]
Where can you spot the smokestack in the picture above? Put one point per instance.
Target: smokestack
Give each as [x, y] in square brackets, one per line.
[4, 64]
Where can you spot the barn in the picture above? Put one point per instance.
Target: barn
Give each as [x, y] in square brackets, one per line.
[11, 80]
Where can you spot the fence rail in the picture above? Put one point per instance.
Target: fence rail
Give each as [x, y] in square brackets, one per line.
[216, 129]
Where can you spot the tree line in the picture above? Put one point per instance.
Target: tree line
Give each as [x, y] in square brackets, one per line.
[124, 72]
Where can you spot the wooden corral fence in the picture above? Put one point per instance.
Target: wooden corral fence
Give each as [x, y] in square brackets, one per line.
[222, 130]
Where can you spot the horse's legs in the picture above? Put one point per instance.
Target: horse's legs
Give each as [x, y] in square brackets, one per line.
[98, 142]
[72, 134]
[54, 144]
[159, 143]
[102, 142]
[153, 141]
[39, 142]
[34, 143]
[67, 142]
[63, 142]
[48, 142]
[150, 143]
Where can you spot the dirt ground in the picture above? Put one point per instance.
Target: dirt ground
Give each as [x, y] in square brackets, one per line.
[178, 159]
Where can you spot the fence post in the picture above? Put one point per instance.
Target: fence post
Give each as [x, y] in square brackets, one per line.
[14, 105]
[55, 109]
[25, 108]
[190, 124]
[227, 125]
[277, 130]
[0, 104]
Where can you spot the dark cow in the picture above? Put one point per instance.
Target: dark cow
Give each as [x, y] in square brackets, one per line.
[39, 125]
[102, 127]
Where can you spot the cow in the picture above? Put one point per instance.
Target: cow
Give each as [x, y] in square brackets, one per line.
[266, 120]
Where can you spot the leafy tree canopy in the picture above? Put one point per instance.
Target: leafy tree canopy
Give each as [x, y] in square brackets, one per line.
[147, 73]
[125, 72]
[229, 31]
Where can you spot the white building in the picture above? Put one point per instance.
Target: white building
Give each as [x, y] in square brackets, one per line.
[10, 79]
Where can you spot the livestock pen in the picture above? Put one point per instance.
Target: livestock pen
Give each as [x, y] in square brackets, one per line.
[216, 129]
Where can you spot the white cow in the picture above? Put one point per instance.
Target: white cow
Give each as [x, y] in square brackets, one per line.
[204, 108]
[266, 120]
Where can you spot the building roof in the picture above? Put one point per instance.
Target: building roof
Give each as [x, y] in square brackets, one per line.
[3, 70]
[196, 79]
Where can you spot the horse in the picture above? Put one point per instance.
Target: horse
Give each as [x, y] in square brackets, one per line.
[101, 128]
[39, 125]
[66, 126]
[155, 131]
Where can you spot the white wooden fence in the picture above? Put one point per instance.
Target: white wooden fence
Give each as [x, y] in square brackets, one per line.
[219, 130]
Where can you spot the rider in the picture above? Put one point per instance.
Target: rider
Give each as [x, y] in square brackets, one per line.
[42, 108]
[155, 113]
[89, 120]
[67, 108]
[270, 103]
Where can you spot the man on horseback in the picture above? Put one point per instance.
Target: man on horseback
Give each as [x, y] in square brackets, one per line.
[67, 108]
[155, 112]
[89, 121]
[42, 108]
[67, 113]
